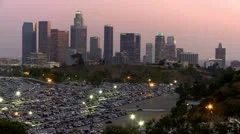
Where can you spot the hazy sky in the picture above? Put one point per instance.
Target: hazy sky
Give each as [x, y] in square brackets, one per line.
[197, 24]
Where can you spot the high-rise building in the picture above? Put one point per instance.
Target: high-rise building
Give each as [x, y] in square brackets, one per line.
[29, 44]
[59, 45]
[220, 53]
[131, 44]
[190, 58]
[170, 48]
[44, 34]
[95, 50]
[149, 50]
[159, 47]
[108, 43]
[79, 35]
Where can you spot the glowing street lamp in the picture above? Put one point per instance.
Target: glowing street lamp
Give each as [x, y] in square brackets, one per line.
[132, 116]
[49, 80]
[100, 91]
[209, 107]
[18, 93]
[26, 73]
[175, 81]
[141, 123]
[149, 80]
[1, 99]
[115, 86]
[84, 103]
[128, 77]
[171, 84]
[151, 84]
[16, 114]
[30, 112]
[91, 97]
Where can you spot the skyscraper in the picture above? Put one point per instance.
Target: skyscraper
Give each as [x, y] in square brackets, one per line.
[79, 35]
[95, 50]
[108, 43]
[220, 53]
[170, 48]
[44, 34]
[159, 47]
[149, 51]
[59, 45]
[29, 44]
[131, 44]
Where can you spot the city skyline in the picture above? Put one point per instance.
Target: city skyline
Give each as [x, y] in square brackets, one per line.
[201, 36]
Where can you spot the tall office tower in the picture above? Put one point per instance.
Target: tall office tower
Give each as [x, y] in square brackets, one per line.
[220, 53]
[44, 34]
[131, 43]
[148, 56]
[59, 45]
[95, 50]
[170, 48]
[79, 35]
[108, 43]
[159, 47]
[190, 58]
[29, 44]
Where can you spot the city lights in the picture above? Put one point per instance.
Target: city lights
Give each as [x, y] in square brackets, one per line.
[141, 123]
[132, 116]
[115, 86]
[171, 84]
[84, 103]
[1, 99]
[18, 93]
[149, 80]
[128, 77]
[175, 81]
[100, 91]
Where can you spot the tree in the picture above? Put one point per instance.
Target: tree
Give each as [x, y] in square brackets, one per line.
[78, 58]
[12, 127]
[121, 130]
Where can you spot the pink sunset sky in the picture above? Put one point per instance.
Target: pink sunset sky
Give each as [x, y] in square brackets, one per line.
[199, 25]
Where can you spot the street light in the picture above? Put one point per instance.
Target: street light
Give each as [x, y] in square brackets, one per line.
[49, 80]
[149, 80]
[115, 86]
[128, 77]
[91, 97]
[18, 93]
[171, 84]
[132, 116]
[151, 84]
[84, 103]
[30, 112]
[100, 91]
[16, 114]
[175, 81]
[1, 99]
[141, 123]
[209, 107]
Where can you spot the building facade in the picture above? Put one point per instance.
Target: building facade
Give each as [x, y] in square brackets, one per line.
[159, 47]
[95, 50]
[179, 51]
[149, 52]
[190, 58]
[131, 44]
[59, 45]
[44, 34]
[170, 48]
[36, 59]
[79, 35]
[29, 44]
[108, 44]
[220, 53]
